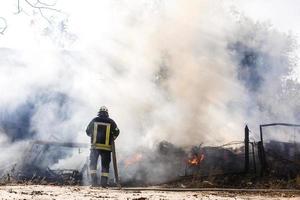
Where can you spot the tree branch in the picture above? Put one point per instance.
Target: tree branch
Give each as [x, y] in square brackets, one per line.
[45, 4]
[40, 6]
[19, 10]
[4, 27]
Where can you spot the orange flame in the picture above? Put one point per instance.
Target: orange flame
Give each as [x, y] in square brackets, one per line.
[196, 159]
[132, 160]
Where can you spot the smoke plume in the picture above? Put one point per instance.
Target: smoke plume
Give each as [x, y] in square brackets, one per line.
[187, 72]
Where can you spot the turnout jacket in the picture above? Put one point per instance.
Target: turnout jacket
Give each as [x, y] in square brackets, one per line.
[102, 131]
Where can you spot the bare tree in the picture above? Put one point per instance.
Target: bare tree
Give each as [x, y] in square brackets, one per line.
[40, 6]
[56, 20]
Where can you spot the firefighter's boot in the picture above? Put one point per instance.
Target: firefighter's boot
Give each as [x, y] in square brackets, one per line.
[94, 180]
[104, 181]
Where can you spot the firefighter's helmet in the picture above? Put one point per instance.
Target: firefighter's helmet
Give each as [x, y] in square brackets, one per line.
[103, 109]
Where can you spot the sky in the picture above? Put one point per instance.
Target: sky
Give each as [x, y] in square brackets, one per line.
[283, 15]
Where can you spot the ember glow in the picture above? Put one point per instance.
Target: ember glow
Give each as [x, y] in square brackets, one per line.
[132, 160]
[196, 159]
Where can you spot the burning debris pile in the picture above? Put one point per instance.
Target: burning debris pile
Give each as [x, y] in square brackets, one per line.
[169, 162]
[236, 164]
[215, 160]
[197, 166]
[149, 167]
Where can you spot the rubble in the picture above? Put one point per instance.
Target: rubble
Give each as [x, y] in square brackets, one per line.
[35, 167]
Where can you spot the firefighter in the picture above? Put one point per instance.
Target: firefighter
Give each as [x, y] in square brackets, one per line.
[102, 131]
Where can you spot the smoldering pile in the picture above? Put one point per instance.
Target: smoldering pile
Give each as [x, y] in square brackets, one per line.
[36, 165]
[169, 162]
[166, 163]
[146, 167]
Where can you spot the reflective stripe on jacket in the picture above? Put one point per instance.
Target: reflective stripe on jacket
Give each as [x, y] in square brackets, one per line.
[102, 131]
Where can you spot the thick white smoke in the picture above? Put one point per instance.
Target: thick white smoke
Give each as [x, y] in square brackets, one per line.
[188, 72]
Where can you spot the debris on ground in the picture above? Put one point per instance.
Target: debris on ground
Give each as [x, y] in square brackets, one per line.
[85, 192]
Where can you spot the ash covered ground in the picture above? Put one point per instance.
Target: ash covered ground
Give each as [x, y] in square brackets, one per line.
[75, 192]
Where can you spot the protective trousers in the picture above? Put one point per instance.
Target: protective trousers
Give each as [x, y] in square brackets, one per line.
[105, 161]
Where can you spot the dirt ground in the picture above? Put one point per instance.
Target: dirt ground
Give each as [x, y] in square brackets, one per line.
[47, 192]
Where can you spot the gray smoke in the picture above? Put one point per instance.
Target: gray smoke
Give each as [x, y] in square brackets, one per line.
[183, 72]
